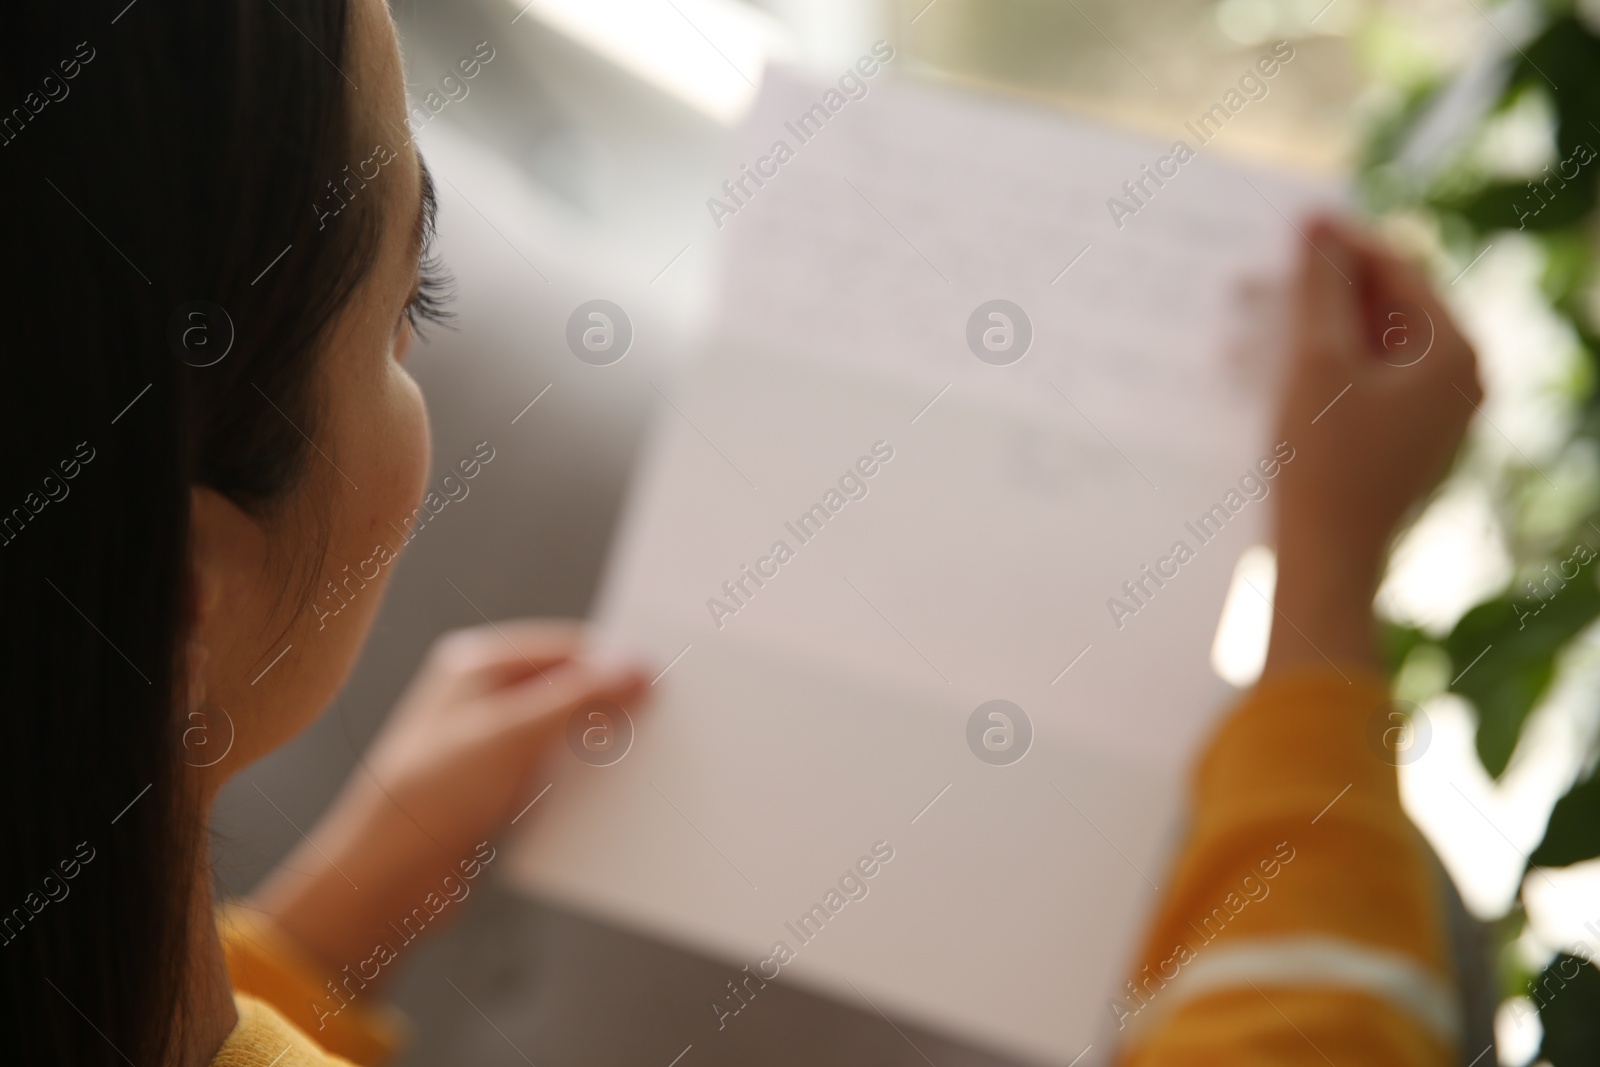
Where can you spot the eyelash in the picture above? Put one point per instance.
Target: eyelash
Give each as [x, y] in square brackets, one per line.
[433, 297]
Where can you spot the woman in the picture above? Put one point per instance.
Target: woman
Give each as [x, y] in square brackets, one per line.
[208, 418]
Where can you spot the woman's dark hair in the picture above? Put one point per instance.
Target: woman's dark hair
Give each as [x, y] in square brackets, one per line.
[159, 161]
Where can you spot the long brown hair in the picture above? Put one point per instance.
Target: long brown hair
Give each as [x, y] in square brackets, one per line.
[159, 160]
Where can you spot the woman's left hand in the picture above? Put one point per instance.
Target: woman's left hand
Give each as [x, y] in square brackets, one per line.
[447, 771]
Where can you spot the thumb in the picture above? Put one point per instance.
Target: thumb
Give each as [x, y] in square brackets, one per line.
[533, 704]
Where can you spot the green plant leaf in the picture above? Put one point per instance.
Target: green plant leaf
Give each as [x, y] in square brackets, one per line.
[1568, 995]
[1396, 641]
[1573, 834]
[1562, 64]
[1505, 650]
[1514, 206]
[1565, 59]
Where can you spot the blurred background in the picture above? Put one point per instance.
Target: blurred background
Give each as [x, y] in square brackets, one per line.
[577, 165]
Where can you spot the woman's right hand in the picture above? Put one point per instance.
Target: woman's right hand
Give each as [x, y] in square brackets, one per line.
[448, 770]
[1379, 394]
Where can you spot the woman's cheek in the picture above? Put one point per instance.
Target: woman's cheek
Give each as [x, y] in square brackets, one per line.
[410, 442]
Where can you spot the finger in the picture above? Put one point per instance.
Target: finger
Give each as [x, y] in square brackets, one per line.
[541, 640]
[501, 653]
[1361, 241]
[1450, 358]
[1329, 300]
[536, 703]
[551, 643]
[1380, 279]
[1396, 276]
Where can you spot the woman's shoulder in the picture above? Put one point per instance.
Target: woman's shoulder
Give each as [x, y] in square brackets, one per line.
[263, 1038]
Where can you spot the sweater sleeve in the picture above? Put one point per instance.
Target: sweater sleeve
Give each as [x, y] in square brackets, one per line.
[1302, 921]
[267, 965]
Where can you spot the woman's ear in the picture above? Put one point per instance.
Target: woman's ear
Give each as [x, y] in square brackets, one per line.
[227, 561]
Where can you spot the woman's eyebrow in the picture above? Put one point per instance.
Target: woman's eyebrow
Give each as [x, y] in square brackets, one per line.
[422, 230]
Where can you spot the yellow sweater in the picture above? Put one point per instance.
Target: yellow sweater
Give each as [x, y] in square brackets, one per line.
[1301, 926]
